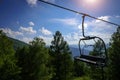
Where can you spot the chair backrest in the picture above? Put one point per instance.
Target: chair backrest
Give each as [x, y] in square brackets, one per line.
[98, 58]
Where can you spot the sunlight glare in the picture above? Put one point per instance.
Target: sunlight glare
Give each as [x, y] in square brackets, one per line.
[91, 1]
[92, 4]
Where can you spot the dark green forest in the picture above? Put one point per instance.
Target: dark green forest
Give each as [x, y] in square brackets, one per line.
[36, 61]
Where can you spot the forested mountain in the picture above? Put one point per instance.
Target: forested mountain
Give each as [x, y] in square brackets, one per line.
[17, 43]
[36, 61]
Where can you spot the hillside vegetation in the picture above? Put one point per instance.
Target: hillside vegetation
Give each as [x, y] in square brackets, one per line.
[35, 61]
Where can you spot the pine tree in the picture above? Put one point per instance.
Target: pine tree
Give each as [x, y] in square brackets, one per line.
[114, 56]
[79, 68]
[34, 61]
[61, 58]
[23, 62]
[95, 72]
[38, 58]
[8, 68]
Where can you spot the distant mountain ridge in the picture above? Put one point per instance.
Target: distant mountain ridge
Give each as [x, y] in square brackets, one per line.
[74, 48]
[75, 51]
[18, 43]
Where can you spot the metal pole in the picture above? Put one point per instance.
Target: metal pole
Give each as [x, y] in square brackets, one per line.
[83, 18]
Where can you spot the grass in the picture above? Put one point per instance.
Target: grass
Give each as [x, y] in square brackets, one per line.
[82, 78]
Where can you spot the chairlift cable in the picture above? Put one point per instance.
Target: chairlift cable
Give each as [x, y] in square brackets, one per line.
[84, 14]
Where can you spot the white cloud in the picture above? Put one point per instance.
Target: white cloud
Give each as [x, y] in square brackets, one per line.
[105, 36]
[26, 39]
[32, 2]
[85, 26]
[101, 29]
[117, 16]
[72, 38]
[11, 33]
[52, 1]
[104, 18]
[45, 31]
[28, 30]
[93, 28]
[68, 21]
[46, 39]
[100, 26]
[31, 23]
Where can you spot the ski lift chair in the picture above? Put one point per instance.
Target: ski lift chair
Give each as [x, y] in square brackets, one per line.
[99, 60]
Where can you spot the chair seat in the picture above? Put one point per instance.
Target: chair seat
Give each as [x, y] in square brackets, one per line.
[93, 58]
[89, 60]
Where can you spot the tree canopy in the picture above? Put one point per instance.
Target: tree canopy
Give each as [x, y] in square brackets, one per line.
[61, 58]
[8, 68]
[114, 56]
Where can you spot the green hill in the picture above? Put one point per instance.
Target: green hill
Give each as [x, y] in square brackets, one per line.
[18, 43]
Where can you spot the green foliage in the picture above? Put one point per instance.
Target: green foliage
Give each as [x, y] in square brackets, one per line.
[114, 56]
[98, 49]
[61, 59]
[82, 78]
[34, 61]
[95, 72]
[8, 68]
[18, 43]
[39, 56]
[23, 62]
[79, 68]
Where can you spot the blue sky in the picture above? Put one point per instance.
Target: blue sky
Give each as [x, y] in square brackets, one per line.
[26, 19]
